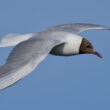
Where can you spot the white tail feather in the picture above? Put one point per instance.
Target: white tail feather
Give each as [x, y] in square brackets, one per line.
[14, 39]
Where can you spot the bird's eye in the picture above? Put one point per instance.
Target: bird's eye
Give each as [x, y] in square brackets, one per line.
[88, 46]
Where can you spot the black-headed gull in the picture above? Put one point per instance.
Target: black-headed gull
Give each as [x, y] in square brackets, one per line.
[31, 49]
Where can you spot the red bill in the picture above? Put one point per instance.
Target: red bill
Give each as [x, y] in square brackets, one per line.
[97, 54]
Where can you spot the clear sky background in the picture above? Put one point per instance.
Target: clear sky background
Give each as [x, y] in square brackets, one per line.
[59, 83]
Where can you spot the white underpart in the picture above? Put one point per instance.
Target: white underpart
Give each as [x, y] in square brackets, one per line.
[14, 39]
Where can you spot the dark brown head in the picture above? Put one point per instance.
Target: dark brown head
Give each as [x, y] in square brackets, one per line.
[87, 48]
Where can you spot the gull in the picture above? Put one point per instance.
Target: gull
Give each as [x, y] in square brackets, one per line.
[31, 49]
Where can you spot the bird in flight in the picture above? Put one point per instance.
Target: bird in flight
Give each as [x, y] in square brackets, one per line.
[31, 49]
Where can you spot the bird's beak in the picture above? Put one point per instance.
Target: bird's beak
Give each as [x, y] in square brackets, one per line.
[97, 54]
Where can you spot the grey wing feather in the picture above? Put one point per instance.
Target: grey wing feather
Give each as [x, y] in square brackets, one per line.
[77, 27]
[24, 59]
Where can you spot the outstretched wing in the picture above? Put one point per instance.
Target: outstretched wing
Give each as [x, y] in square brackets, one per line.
[77, 27]
[14, 39]
[24, 59]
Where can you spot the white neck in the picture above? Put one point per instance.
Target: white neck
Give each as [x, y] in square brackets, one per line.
[71, 47]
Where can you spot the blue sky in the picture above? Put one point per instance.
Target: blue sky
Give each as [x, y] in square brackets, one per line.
[59, 83]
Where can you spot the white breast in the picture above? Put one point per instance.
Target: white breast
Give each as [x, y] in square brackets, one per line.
[71, 47]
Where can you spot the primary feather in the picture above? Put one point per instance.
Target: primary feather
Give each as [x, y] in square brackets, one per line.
[24, 59]
[77, 28]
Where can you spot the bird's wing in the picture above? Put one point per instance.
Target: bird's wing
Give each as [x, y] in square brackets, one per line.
[77, 27]
[24, 58]
[14, 39]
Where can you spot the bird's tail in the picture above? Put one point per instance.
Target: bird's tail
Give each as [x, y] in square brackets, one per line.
[14, 39]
